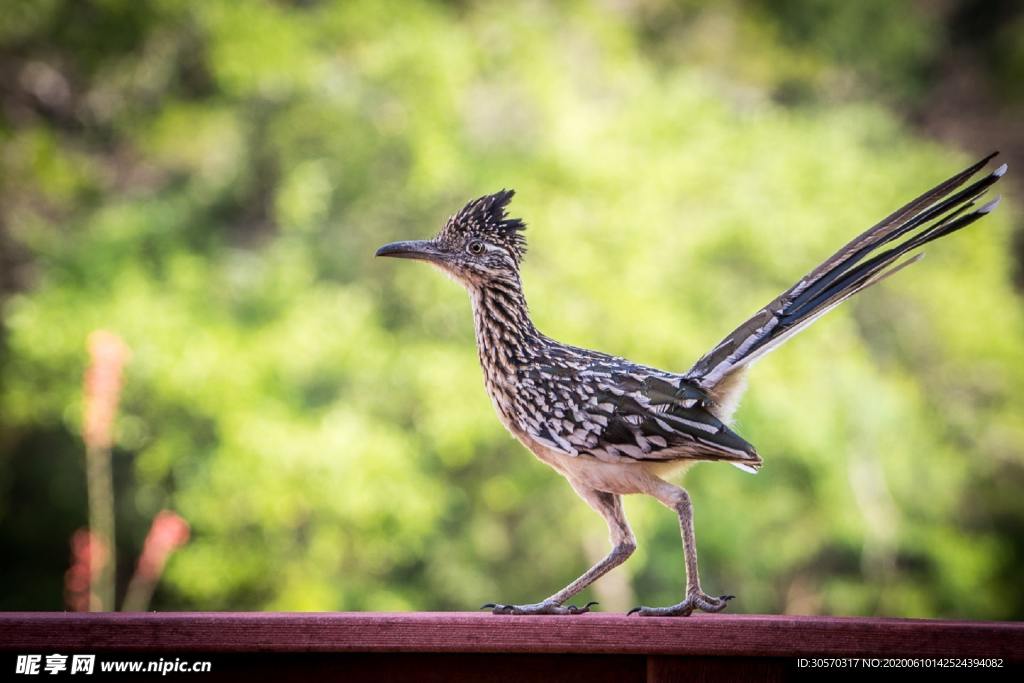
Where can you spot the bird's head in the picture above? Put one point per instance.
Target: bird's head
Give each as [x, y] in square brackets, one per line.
[478, 245]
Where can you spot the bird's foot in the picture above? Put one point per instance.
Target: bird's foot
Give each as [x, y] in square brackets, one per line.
[546, 607]
[694, 601]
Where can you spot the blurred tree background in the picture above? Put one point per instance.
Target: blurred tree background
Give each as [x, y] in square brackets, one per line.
[210, 179]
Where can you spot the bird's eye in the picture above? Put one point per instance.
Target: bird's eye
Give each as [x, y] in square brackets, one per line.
[476, 247]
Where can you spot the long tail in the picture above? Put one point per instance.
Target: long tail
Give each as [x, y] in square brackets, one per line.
[858, 265]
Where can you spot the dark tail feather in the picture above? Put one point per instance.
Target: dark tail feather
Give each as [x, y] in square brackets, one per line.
[937, 213]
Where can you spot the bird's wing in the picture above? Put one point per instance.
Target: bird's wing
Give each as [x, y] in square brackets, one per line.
[615, 411]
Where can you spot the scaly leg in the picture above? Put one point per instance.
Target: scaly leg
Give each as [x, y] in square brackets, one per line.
[677, 499]
[623, 545]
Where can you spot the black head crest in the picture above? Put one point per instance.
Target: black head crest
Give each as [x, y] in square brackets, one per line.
[487, 218]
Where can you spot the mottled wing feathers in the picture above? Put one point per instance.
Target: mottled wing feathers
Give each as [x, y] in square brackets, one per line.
[859, 264]
[617, 411]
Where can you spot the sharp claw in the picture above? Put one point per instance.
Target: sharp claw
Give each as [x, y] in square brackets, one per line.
[727, 598]
[573, 609]
[489, 605]
[633, 611]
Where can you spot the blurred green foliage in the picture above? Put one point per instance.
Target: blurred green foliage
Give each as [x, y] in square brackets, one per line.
[210, 180]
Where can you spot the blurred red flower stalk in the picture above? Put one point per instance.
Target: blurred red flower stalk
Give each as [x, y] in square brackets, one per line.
[107, 356]
[168, 532]
[78, 579]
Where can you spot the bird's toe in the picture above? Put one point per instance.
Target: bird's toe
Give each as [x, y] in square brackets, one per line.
[694, 601]
[546, 607]
[573, 609]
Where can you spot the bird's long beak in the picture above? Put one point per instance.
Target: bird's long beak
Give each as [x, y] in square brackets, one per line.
[424, 250]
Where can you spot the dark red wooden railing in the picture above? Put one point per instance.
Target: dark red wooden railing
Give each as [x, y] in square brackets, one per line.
[468, 646]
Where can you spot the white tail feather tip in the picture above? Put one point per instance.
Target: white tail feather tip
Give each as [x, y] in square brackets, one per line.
[990, 206]
[998, 173]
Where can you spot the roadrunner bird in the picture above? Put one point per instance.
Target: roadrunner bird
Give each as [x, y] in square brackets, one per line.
[614, 427]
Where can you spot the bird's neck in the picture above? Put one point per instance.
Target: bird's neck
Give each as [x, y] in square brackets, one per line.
[505, 335]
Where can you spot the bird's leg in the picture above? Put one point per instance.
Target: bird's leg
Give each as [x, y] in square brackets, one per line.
[679, 500]
[623, 545]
